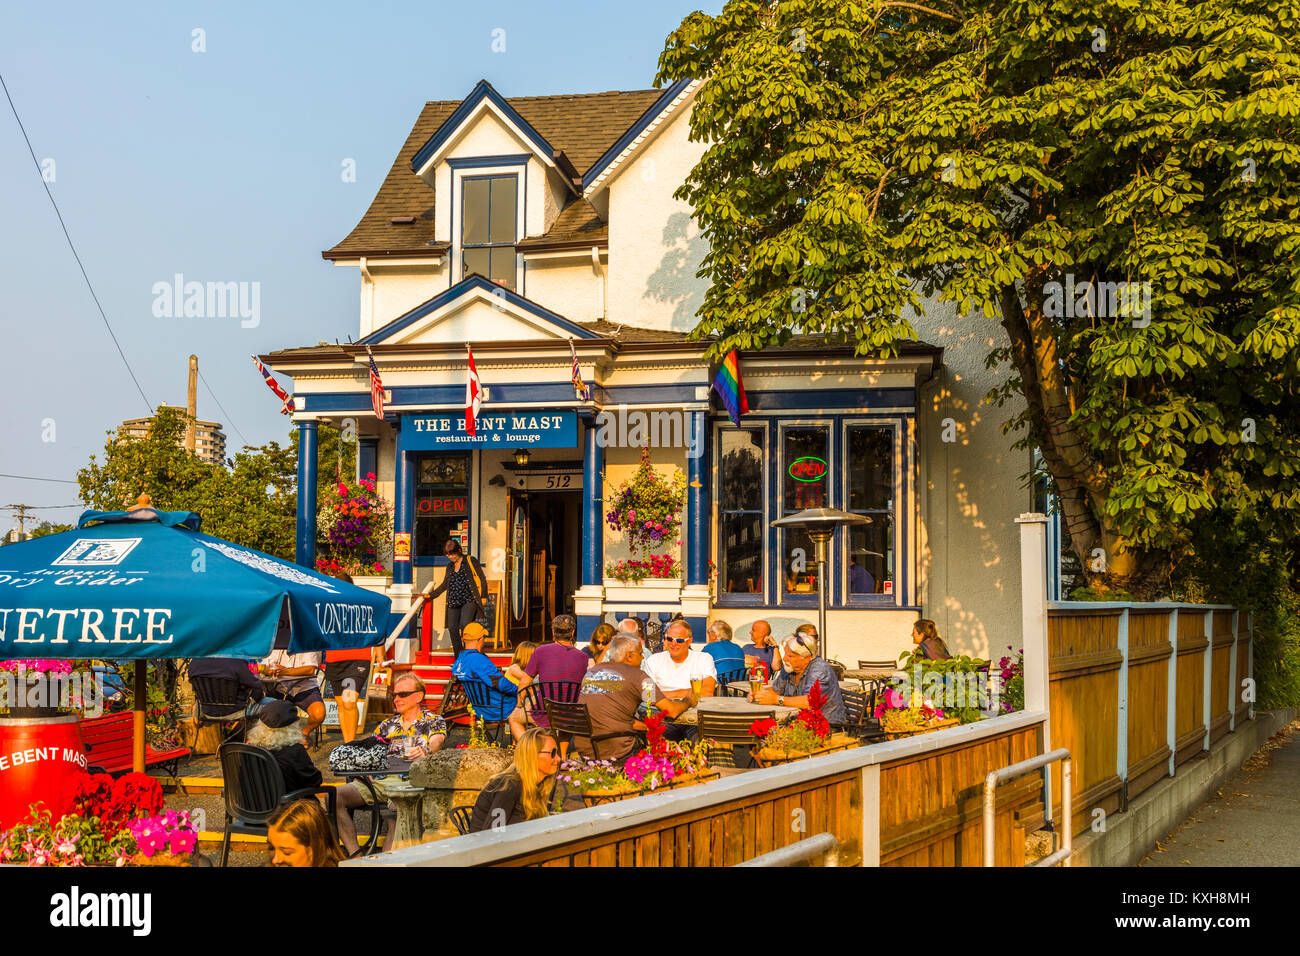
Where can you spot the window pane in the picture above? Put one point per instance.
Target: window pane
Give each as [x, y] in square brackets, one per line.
[871, 468]
[798, 563]
[441, 503]
[474, 210]
[503, 265]
[503, 209]
[740, 555]
[443, 471]
[804, 468]
[740, 478]
[871, 556]
[478, 260]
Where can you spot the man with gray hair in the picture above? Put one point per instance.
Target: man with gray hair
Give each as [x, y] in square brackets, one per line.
[632, 625]
[613, 690]
[803, 667]
[727, 656]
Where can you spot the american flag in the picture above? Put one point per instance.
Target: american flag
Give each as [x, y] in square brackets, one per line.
[579, 386]
[473, 395]
[376, 387]
[273, 385]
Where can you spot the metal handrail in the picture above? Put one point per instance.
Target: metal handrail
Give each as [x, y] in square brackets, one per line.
[418, 603]
[1016, 770]
[801, 851]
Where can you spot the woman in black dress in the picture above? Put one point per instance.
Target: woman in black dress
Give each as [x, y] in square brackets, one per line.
[466, 589]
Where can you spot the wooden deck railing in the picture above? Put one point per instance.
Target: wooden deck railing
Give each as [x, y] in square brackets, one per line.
[1111, 669]
[910, 801]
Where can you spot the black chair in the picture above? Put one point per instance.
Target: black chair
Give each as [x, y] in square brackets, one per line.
[481, 698]
[730, 676]
[254, 790]
[460, 818]
[222, 700]
[574, 720]
[730, 733]
[855, 713]
[560, 691]
[454, 702]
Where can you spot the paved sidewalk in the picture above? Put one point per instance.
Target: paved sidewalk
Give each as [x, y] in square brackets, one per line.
[1254, 819]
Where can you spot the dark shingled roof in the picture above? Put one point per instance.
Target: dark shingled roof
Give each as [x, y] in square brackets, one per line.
[584, 126]
[578, 224]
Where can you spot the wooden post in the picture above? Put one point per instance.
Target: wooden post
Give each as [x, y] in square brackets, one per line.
[1207, 707]
[141, 702]
[1232, 673]
[1171, 698]
[1121, 723]
[191, 404]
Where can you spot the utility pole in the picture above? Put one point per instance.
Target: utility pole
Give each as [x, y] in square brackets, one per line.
[192, 404]
[20, 512]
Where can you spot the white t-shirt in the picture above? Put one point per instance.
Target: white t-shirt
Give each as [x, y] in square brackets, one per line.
[670, 675]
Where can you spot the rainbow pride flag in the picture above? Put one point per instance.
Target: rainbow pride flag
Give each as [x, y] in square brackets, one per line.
[731, 388]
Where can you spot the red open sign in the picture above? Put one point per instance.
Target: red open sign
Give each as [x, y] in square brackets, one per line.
[808, 468]
[441, 506]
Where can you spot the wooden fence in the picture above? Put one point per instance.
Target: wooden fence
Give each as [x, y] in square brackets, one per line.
[1137, 690]
[906, 802]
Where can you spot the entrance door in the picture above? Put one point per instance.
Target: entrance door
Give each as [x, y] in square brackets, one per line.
[517, 567]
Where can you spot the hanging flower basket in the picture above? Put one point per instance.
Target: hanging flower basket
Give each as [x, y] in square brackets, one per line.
[648, 507]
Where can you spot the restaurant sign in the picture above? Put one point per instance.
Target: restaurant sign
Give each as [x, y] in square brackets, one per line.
[507, 430]
[808, 468]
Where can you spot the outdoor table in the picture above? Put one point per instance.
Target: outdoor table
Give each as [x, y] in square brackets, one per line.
[734, 705]
[410, 814]
[872, 675]
[365, 778]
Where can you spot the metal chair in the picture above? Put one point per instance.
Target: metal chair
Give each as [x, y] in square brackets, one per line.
[454, 703]
[460, 818]
[560, 691]
[480, 697]
[253, 789]
[222, 700]
[574, 720]
[728, 733]
[729, 676]
[855, 713]
[873, 685]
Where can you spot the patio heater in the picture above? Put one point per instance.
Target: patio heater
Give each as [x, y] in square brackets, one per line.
[820, 524]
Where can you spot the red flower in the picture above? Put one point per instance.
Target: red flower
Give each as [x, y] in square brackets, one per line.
[654, 730]
[761, 728]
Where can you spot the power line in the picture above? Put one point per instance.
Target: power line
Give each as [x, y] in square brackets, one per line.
[65, 481]
[67, 236]
[222, 407]
[37, 507]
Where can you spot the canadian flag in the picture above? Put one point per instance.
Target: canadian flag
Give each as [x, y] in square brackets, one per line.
[473, 394]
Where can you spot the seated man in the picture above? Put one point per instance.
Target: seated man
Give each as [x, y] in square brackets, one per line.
[558, 661]
[473, 664]
[674, 670]
[726, 653]
[803, 667]
[762, 649]
[295, 676]
[228, 668]
[612, 691]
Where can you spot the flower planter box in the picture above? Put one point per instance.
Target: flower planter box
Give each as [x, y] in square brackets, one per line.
[595, 798]
[900, 734]
[774, 758]
[650, 590]
[690, 780]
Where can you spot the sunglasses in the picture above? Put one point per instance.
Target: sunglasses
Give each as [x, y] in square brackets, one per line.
[407, 693]
[677, 640]
[602, 643]
[548, 753]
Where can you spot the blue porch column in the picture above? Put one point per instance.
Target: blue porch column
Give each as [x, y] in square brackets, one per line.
[305, 546]
[593, 523]
[697, 505]
[403, 505]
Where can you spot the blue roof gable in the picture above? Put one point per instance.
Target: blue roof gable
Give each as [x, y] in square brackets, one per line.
[476, 281]
[483, 90]
[634, 131]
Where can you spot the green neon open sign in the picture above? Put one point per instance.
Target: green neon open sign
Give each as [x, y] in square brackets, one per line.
[808, 468]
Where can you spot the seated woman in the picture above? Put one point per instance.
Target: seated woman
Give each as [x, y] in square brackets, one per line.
[279, 730]
[599, 646]
[411, 734]
[524, 791]
[929, 644]
[300, 835]
[520, 716]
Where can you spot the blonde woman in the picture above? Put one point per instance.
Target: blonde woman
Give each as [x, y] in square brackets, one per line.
[523, 792]
[929, 644]
[515, 672]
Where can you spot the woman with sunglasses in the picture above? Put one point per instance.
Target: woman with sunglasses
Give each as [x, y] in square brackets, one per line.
[599, 645]
[524, 791]
[411, 734]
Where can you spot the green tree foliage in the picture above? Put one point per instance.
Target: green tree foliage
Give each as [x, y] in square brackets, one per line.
[234, 501]
[864, 158]
[49, 527]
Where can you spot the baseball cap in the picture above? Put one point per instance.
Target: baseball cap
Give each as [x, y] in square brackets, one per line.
[564, 623]
[278, 713]
[473, 631]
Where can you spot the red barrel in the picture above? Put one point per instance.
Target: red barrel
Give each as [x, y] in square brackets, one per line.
[39, 758]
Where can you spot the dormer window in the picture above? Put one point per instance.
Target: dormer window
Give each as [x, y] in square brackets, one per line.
[489, 211]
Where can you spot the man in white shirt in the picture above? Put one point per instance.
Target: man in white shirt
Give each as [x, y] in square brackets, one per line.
[678, 664]
[296, 682]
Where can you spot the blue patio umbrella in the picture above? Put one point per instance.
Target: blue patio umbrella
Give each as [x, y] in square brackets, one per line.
[146, 584]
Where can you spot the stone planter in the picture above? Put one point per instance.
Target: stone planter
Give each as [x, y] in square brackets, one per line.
[774, 758]
[900, 734]
[453, 778]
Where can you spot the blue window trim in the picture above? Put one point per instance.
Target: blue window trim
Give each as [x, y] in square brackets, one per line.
[487, 162]
[439, 560]
[636, 129]
[837, 598]
[462, 245]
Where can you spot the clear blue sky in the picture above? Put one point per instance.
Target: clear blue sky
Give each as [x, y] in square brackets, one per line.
[225, 166]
